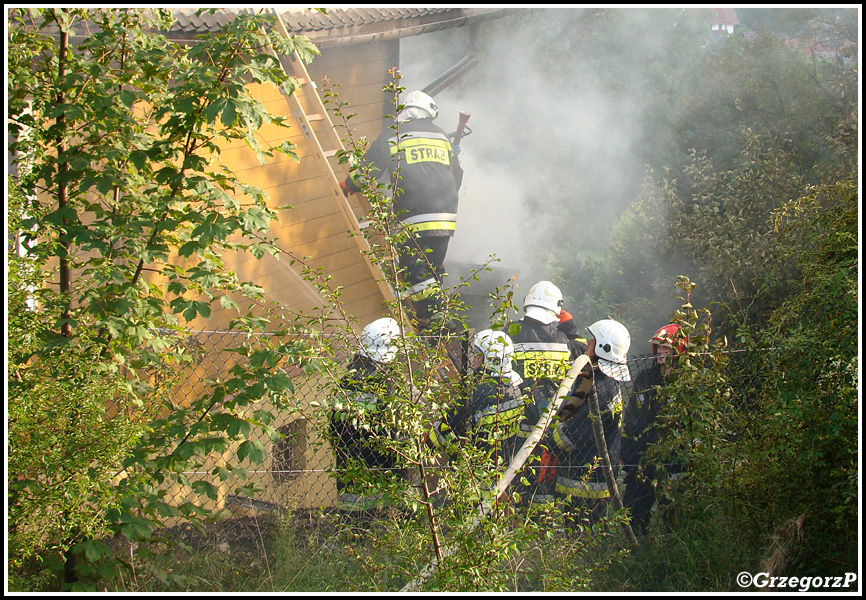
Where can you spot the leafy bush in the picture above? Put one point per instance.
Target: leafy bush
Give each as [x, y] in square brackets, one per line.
[770, 436]
[121, 224]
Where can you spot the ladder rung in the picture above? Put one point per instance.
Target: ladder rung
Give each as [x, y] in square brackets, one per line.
[330, 153]
[315, 117]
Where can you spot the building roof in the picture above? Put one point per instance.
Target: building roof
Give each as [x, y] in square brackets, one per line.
[340, 25]
[725, 16]
[337, 26]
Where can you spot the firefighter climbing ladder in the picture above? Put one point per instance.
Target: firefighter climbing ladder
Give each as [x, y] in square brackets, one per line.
[309, 111]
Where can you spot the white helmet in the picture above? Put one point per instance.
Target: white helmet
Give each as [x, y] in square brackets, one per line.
[544, 295]
[497, 349]
[377, 340]
[419, 99]
[612, 342]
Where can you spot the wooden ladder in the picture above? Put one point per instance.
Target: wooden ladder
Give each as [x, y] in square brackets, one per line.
[311, 115]
[309, 111]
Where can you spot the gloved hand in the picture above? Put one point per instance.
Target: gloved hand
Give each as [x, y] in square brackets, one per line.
[549, 463]
[345, 189]
[569, 327]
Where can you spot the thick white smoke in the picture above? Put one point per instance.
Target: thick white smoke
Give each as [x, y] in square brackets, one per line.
[550, 156]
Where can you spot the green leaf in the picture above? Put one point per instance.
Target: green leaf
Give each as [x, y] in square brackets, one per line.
[68, 111]
[229, 304]
[196, 308]
[288, 148]
[251, 489]
[281, 383]
[205, 488]
[94, 550]
[234, 426]
[138, 158]
[190, 248]
[256, 219]
[136, 528]
[229, 115]
[214, 108]
[127, 97]
[252, 450]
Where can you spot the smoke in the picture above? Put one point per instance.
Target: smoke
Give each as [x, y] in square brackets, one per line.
[551, 162]
[492, 215]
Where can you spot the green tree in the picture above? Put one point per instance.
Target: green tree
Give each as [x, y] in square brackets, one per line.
[714, 215]
[810, 437]
[122, 221]
[769, 436]
[773, 87]
[745, 127]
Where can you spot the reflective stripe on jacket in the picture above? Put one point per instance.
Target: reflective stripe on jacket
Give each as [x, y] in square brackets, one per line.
[493, 423]
[430, 175]
[542, 355]
[423, 289]
[542, 360]
[431, 222]
[582, 489]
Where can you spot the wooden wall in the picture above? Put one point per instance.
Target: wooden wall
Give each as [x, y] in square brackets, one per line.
[359, 72]
[315, 229]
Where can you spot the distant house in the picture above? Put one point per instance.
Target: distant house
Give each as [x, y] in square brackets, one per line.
[836, 51]
[723, 20]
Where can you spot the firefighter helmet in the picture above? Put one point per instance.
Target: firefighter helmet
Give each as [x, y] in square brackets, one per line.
[665, 337]
[419, 99]
[377, 340]
[544, 295]
[612, 342]
[497, 349]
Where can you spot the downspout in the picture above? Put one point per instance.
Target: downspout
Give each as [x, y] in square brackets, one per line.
[450, 76]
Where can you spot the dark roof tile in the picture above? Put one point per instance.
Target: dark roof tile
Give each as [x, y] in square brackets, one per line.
[345, 25]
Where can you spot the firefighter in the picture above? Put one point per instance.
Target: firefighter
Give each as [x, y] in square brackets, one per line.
[580, 479]
[543, 354]
[356, 415]
[425, 198]
[497, 405]
[640, 430]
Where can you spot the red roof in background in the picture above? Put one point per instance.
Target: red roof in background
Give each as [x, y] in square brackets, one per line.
[727, 16]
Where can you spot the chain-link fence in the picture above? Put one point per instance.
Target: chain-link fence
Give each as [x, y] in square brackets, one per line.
[297, 474]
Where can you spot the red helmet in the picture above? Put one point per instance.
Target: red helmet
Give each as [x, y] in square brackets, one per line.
[665, 337]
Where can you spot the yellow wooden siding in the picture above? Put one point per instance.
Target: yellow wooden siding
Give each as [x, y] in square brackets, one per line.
[313, 227]
[358, 74]
[315, 230]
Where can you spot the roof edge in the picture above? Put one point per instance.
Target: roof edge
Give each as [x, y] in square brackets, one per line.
[376, 32]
